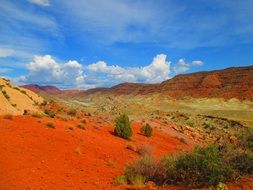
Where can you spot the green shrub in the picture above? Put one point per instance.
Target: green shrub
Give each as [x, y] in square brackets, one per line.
[202, 166]
[119, 180]
[49, 113]
[147, 130]
[138, 181]
[122, 127]
[50, 125]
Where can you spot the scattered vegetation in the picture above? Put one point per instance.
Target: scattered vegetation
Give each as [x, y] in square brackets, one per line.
[71, 128]
[120, 180]
[6, 95]
[212, 165]
[61, 118]
[23, 91]
[72, 112]
[44, 103]
[146, 130]
[49, 113]
[123, 127]
[81, 126]
[36, 115]
[50, 125]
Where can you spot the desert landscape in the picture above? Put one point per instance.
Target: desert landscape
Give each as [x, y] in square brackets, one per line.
[126, 95]
[61, 139]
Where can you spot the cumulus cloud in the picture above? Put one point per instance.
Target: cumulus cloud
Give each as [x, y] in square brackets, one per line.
[181, 66]
[197, 63]
[45, 70]
[44, 3]
[156, 72]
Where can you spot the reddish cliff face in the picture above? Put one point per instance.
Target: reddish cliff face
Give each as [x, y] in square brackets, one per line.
[43, 89]
[227, 83]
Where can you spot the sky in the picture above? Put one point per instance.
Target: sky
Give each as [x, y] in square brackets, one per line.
[100, 43]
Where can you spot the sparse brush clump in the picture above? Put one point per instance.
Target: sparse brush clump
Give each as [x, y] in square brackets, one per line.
[202, 166]
[81, 126]
[5, 94]
[37, 115]
[147, 168]
[146, 130]
[123, 127]
[50, 113]
[50, 125]
[119, 180]
[44, 103]
[72, 112]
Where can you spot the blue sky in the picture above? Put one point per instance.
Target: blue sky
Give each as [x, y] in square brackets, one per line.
[86, 44]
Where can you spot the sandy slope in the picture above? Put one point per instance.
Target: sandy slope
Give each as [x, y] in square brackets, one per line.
[20, 99]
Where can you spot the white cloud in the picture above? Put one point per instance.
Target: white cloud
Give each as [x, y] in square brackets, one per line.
[156, 72]
[181, 66]
[102, 66]
[197, 63]
[44, 3]
[45, 70]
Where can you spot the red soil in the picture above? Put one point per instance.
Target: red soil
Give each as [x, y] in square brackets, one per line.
[34, 156]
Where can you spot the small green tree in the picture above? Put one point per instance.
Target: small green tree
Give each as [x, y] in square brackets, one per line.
[122, 127]
[147, 130]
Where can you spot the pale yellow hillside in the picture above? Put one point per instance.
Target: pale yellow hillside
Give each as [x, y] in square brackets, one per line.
[14, 100]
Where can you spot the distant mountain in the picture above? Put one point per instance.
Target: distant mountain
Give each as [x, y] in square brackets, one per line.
[43, 89]
[235, 82]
